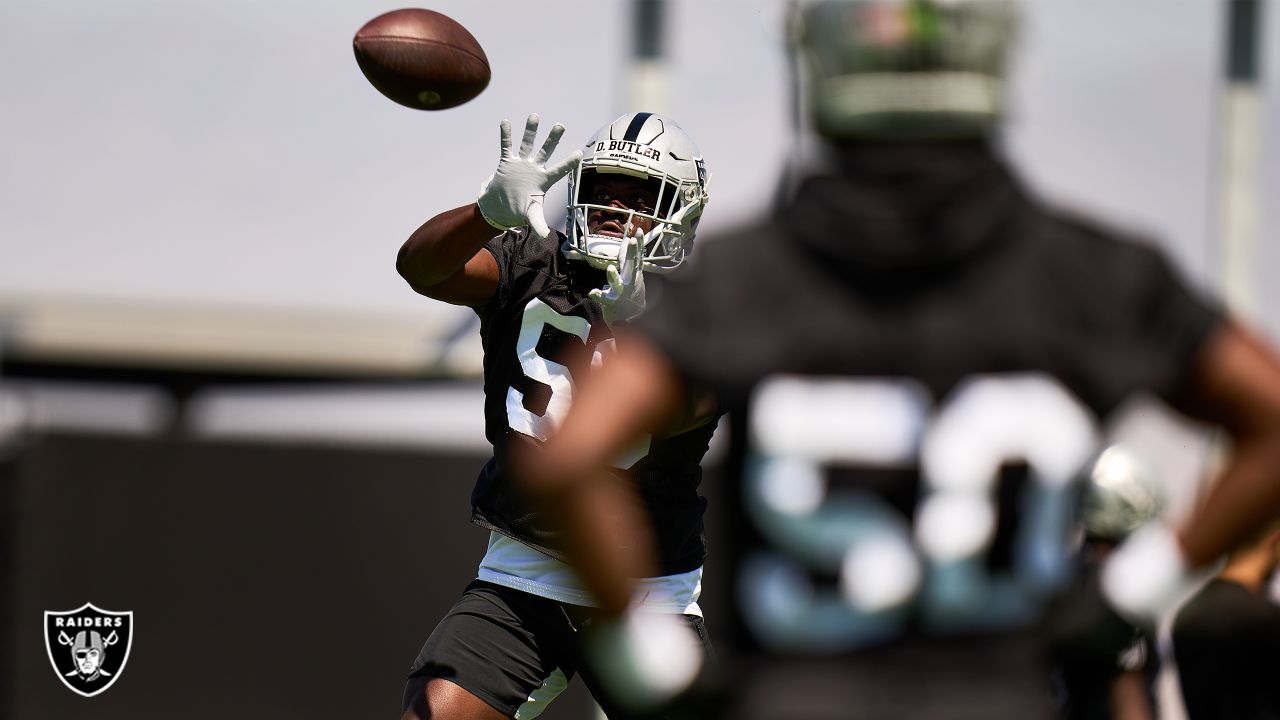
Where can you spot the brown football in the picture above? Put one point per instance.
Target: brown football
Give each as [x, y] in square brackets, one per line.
[421, 59]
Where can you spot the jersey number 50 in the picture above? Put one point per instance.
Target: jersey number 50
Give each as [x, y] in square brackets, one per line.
[894, 569]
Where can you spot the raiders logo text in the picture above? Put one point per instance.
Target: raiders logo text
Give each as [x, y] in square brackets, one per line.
[87, 622]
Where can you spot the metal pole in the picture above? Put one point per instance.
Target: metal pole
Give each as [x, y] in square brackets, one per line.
[646, 84]
[1239, 147]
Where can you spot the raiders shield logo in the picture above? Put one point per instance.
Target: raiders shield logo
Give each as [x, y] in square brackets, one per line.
[88, 646]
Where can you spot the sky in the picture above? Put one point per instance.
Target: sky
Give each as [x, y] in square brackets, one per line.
[230, 153]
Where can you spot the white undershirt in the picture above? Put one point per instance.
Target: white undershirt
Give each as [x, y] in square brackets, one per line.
[513, 564]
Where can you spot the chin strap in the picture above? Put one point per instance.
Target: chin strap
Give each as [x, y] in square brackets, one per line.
[569, 251]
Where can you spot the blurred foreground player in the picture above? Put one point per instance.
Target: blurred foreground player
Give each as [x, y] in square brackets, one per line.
[547, 304]
[1226, 639]
[1104, 666]
[916, 354]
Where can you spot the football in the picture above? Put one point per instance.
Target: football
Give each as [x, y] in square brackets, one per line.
[421, 59]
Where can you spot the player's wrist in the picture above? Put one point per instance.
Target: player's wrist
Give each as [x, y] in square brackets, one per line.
[494, 223]
[493, 207]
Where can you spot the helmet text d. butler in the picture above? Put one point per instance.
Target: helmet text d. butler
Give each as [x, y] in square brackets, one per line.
[649, 147]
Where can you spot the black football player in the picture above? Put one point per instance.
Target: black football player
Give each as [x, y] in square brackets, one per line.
[548, 303]
[916, 354]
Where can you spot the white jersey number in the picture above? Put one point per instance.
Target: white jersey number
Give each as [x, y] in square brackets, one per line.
[537, 315]
[890, 566]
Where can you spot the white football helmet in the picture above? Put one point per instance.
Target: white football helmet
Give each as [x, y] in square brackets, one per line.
[646, 146]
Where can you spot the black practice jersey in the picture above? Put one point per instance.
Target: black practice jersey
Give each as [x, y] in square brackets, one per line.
[915, 368]
[1226, 641]
[540, 331]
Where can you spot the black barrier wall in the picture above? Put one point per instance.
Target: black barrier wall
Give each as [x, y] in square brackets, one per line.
[265, 581]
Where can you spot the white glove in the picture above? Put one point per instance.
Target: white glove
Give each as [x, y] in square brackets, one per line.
[623, 297]
[645, 659]
[514, 193]
[1147, 575]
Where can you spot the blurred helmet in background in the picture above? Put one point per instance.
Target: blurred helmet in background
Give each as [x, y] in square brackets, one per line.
[902, 69]
[1120, 494]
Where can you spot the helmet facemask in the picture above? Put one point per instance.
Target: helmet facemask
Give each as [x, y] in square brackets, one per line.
[659, 154]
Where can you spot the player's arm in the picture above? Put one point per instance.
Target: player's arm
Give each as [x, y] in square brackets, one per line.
[1234, 383]
[634, 391]
[641, 659]
[1128, 697]
[444, 259]
[1237, 386]
[695, 409]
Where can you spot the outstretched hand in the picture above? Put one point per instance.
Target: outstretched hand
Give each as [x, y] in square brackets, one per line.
[514, 194]
[623, 297]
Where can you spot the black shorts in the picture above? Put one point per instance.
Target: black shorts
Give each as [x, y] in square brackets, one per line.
[511, 649]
